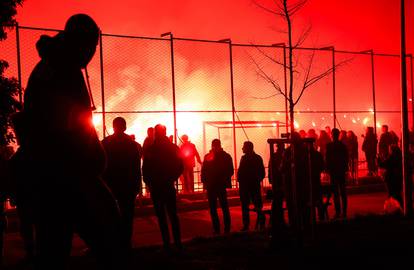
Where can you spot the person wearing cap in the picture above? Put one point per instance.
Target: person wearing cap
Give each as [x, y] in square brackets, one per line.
[63, 146]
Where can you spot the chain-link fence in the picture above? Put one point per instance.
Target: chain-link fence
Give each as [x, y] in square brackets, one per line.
[216, 89]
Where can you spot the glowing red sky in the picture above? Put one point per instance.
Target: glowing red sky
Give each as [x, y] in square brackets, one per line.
[349, 25]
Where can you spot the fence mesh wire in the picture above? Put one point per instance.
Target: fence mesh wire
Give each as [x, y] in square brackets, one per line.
[137, 75]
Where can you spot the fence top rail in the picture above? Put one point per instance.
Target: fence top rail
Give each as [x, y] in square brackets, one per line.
[250, 111]
[331, 49]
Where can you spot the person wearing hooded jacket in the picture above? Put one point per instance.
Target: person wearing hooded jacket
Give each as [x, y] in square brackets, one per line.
[62, 144]
[216, 175]
[161, 168]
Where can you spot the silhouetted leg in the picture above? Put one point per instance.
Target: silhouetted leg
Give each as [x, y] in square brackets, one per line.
[344, 197]
[191, 179]
[212, 202]
[159, 208]
[54, 229]
[99, 224]
[226, 211]
[245, 201]
[172, 214]
[336, 192]
[127, 208]
[258, 205]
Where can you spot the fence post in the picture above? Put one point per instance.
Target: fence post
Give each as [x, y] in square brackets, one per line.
[173, 83]
[233, 107]
[334, 86]
[102, 85]
[373, 91]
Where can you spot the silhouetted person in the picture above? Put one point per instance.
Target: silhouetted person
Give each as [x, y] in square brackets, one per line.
[386, 139]
[369, 146]
[277, 179]
[337, 166]
[352, 147]
[123, 173]
[65, 151]
[216, 175]
[317, 166]
[323, 140]
[149, 140]
[297, 187]
[393, 172]
[250, 175]
[161, 168]
[188, 153]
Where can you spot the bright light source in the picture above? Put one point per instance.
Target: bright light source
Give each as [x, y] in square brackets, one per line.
[365, 121]
[344, 115]
[313, 124]
[97, 120]
[274, 124]
[296, 124]
[354, 121]
[378, 125]
[371, 110]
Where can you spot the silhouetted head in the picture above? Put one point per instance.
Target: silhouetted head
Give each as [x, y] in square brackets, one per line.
[335, 134]
[302, 133]
[119, 125]
[81, 37]
[248, 147]
[184, 138]
[76, 44]
[216, 145]
[150, 132]
[384, 128]
[295, 137]
[160, 131]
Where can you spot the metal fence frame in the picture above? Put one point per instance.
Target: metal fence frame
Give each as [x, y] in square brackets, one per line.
[169, 37]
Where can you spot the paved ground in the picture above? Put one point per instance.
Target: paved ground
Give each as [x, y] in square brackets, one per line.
[193, 224]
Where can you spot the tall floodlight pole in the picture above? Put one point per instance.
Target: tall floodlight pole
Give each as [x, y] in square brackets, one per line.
[404, 118]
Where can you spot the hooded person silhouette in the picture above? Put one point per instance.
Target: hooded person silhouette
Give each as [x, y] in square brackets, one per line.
[62, 144]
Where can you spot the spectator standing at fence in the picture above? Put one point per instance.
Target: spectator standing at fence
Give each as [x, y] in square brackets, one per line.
[189, 153]
[322, 141]
[386, 139]
[312, 134]
[369, 146]
[352, 147]
[123, 173]
[216, 175]
[149, 140]
[337, 166]
[393, 172]
[250, 176]
[277, 179]
[161, 168]
[67, 154]
[297, 185]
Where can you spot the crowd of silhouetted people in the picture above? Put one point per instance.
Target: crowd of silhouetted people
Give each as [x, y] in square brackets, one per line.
[64, 180]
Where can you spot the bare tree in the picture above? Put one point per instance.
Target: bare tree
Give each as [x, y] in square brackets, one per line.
[285, 10]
